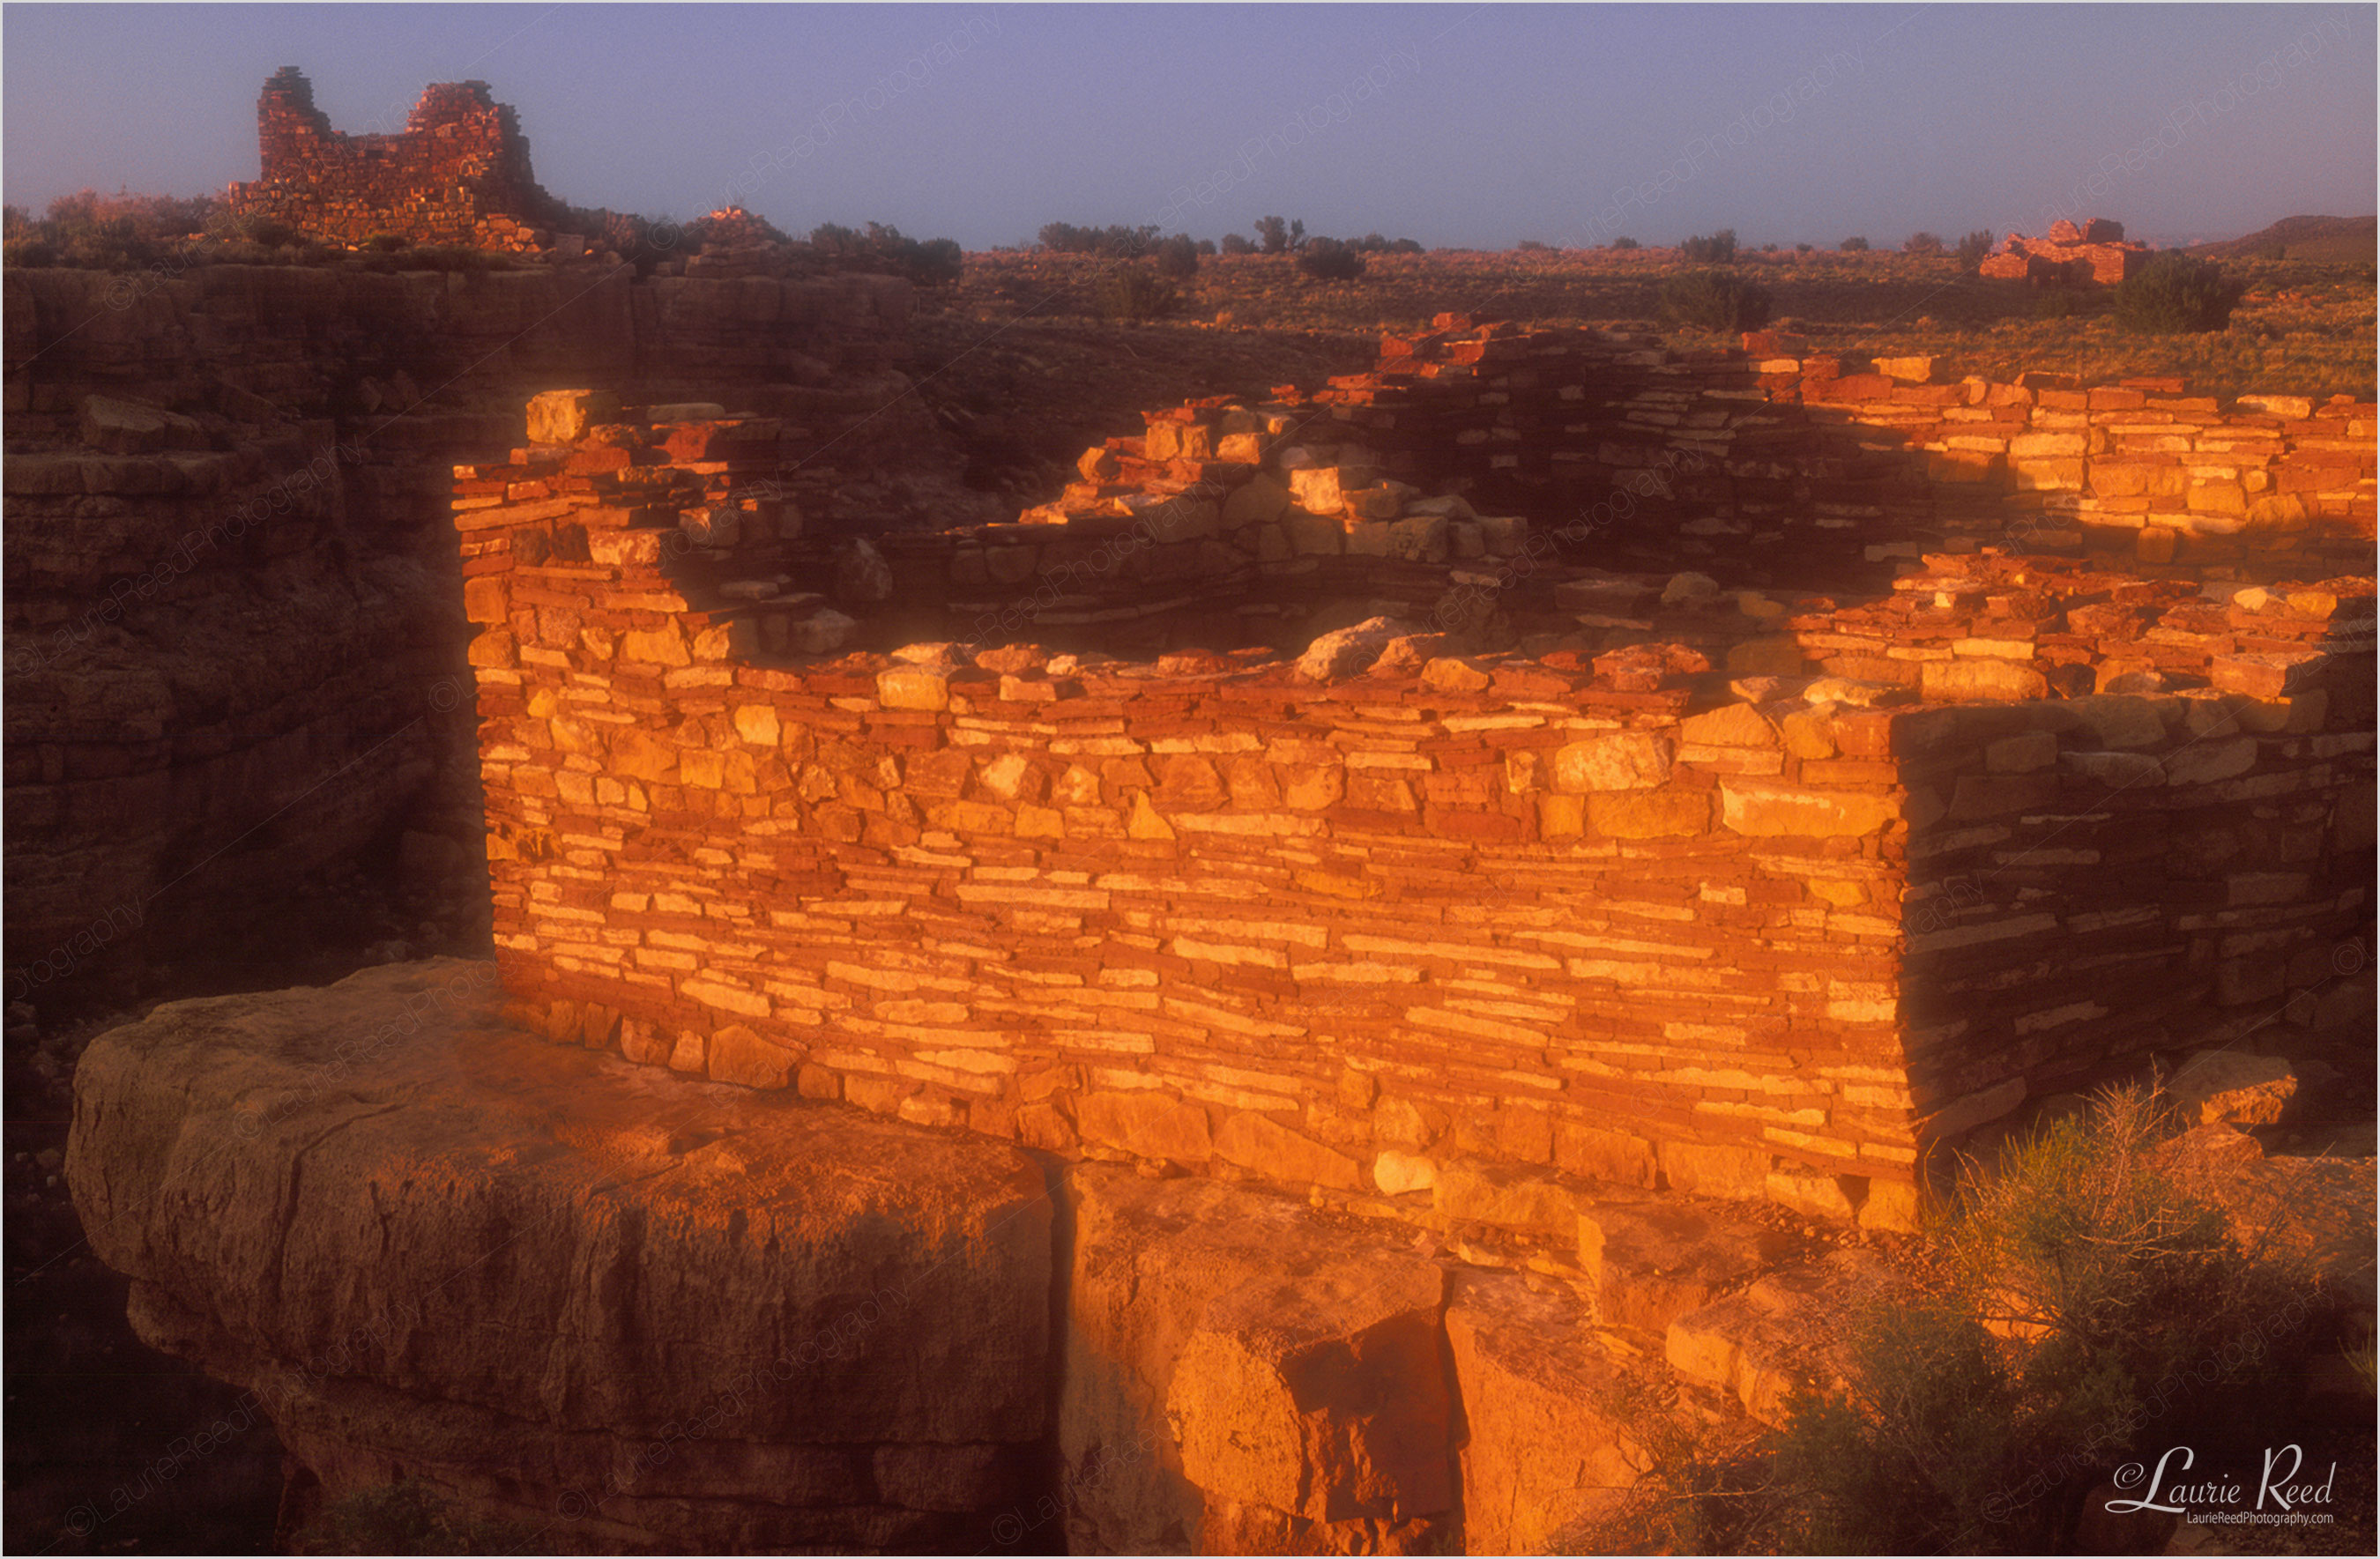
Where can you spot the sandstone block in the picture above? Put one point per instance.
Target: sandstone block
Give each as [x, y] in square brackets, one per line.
[363, 1310]
[1751, 807]
[1320, 1395]
[1313, 535]
[1663, 814]
[562, 416]
[1258, 1142]
[1395, 1173]
[1548, 1445]
[1650, 1261]
[1706, 1169]
[1506, 1197]
[1956, 681]
[1455, 674]
[739, 1055]
[1146, 1125]
[1422, 539]
[913, 687]
[2233, 1088]
[1225, 1350]
[1630, 760]
[1259, 500]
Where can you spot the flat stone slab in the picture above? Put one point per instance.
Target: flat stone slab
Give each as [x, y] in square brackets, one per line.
[418, 1232]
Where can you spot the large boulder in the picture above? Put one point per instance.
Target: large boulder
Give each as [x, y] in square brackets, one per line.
[1242, 1377]
[1554, 1416]
[630, 1309]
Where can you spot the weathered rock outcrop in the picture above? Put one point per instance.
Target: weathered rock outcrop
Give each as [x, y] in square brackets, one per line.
[1242, 1377]
[234, 647]
[632, 1310]
[629, 1311]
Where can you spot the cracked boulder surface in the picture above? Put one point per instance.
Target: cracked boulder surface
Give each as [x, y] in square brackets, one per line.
[623, 1310]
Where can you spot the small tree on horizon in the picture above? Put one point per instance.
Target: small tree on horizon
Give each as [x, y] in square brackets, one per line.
[1927, 244]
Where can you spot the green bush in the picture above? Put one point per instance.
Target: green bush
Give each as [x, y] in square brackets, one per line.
[1135, 292]
[270, 231]
[1236, 243]
[1716, 248]
[1715, 300]
[1853, 246]
[2085, 1289]
[1278, 235]
[1923, 244]
[1533, 245]
[2082, 1306]
[1975, 247]
[29, 252]
[2177, 294]
[1805, 248]
[1177, 257]
[1626, 243]
[1114, 241]
[884, 250]
[1328, 259]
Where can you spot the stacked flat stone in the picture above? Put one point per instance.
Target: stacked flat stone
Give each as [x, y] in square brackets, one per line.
[1409, 930]
[2095, 250]
[458, 173]
[1802, 466]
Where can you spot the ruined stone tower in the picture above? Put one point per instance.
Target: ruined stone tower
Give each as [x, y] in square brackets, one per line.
[458, 173]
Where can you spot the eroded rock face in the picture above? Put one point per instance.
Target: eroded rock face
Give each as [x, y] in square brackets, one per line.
[1548, 1413]
[630, 1310]
[1242, 1378]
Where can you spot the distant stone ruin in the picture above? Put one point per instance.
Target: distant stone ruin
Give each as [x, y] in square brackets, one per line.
[458, 173]
[2096, 251]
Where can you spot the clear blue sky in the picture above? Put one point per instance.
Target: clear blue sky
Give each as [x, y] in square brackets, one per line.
[1469, 126]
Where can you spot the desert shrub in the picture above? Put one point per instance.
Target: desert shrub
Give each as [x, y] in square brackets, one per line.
[1177, 257]
[1923, 244]
[270, 231]
[2082, 1290]
[1328, 259]
[1715, 248]
[404, 1519]
[1205, 245]
[1235, 243]
[1135, 292]
[1715, 300]
[387, 243]
[1805, 248]
[1373, 243]
[1853, 246]
[2066, 303]
[1114, 241]
[1532, 245]
[2177, 294]
[1975, 247]
[885, 251]
[1626, 243]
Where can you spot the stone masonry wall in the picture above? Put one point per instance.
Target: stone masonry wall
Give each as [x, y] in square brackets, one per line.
[1803, 466]
[1387, 932]
[458, 173]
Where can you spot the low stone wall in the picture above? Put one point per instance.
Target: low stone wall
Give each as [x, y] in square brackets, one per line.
[1800, 465]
